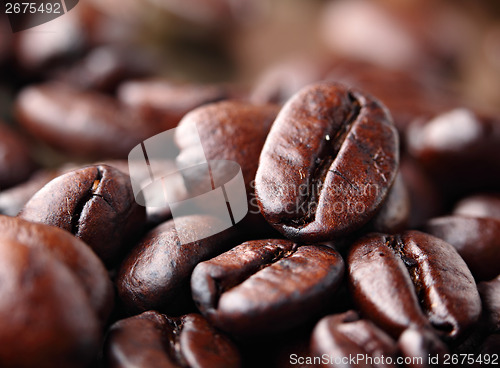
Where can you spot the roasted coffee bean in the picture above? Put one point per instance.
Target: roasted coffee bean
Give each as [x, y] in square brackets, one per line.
[264, 286]
[105, 67]
[231, 130]
[460, 148]
[155, 340]
[480, 205]
[490, 297]
[96, 204]
[155, 274]
[164, 103]
[346, 335]
[83, 124]
[476, 239]
[425, 200]
[12, 200]
[75, 254]
[46, 317]
[413, 279]
[419, 346]
[328, 163]
[414, 37]
[16, 164]
[394, 214]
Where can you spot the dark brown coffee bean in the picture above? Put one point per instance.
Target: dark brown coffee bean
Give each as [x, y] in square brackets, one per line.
[413, 279]
[12, 200]
[229, 130]
[16, 164]
[46, 317]
[476, 239]
[155, 274]
[419, 346]
[155, 340]
[83, 124]
[344, 336]
[264, 286]
[459, 148]
[480, 205]
[105, 67]
[394, 214]
[407, 95]
[96, 204]
[425, 200]
[164, 103]
[75, 254]
[281, 81]
[490, 297]
[328, 162]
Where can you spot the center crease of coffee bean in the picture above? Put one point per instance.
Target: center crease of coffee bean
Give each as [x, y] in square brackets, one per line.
[324, 161]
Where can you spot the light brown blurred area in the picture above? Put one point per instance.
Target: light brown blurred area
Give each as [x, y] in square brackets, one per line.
[240, 40]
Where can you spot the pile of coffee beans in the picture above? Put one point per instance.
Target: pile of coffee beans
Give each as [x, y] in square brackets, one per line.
[372, 237]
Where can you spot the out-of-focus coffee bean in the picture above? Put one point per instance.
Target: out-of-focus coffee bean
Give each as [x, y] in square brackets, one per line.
[155, 274]
[72, 252]
[490, 296]
[46, 319]
[328, 163]
[413, 279]
[155, 340]
[476, 239]
[425, 200]
[105, 67]
[346, 335]
[459, 148]
[479, 205]
[16, 164]
[96, 204]
[83, 124]
[50, 44]
[164, 103]
[265, 286]
[395, 212]
[419, 345]
[399, 37]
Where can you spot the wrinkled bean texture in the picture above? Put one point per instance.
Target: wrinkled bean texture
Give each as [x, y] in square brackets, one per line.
[413, 279]
[328, 147]
[263, 286]
[96, 204]
[155, 340]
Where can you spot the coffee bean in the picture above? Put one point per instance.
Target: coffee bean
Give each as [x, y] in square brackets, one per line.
[96, 204]
[75, 254]
[425, 200]
[230, 130]
[394, 214]
[490, 297]
[328, 163]
[459, 148]
[46, 319]
[164, 103]
[155, 340]
[346, 335]
[413, 279]
[480, 205]
[105, 67]
[155, 274]
[264, 286]
[83, 124]
[16, 163]
[419, 345]
[476, 239]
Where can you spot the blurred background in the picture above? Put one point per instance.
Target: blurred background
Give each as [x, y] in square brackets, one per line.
[165, 57]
